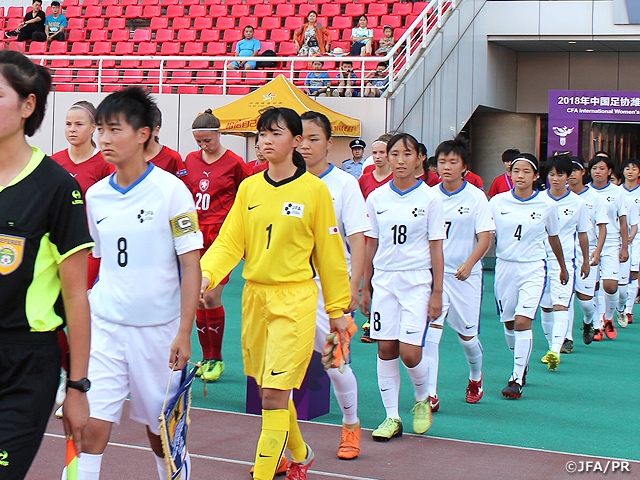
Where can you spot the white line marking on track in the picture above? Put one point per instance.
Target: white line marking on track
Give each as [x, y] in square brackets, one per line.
[218, 459]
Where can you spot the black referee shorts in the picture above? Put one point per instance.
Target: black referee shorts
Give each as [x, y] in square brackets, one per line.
[29, 378]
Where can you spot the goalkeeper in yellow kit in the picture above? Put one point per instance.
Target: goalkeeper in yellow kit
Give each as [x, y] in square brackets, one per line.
[284, 225]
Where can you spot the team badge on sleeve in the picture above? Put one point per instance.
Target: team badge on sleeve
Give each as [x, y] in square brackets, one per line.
[184, 223]
[11, 253]
[333, 231]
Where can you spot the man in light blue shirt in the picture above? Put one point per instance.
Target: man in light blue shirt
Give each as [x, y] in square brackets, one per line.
[55, 24]
[353, 166]
[248, 47]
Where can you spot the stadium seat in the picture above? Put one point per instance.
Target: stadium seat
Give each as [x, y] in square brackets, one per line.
[120, 35]
[203, 23]
[212, 35]
[67, 86]
[91, 2]
[245, 21]
[260, 34]
[78, 35]
[305, 8]
[293, 22]
[271, 23]
[75, 24]
[240, 11]
[97, 23]
[93, 11]
[15, 12]
[232, 36]
[113, 11]
[330, 10]
[342, 23]
[198, 64]
[206, 77]
[166, 3]
[141, 35]
[255, 77]
[377, 9]
[62, 76]
[12, 23]
[234, 77]
[88, 87]
[225, 23]
[78, 48]
[70, 3]
[106, 3]
[393, 21]
[179, 76]
[166, 35]
[216, 49]
[181, 22]
[124, 48]
[175, 11]
[281, 35]
[146, 48]
[285, 10]
[355, 9]
[133, 11]
[37, 48]
[96, 35]
[238, 90]
[101, 48]
[85, 76]
[159, 22]
[186, 35]
[133, 76]
[263, 10]
[73, 12]
[169, 48]
[114, 23]
[197, 11]
[56, 63]
[59, 48]
[268, 45]
[193, 48]
[287, 49]
[188, 3]
[175, 64]
[188, 89]
[212, 90]
[111, 88]
[152, 11]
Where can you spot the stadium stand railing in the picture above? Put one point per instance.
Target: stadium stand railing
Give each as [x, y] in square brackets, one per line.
[187, 46]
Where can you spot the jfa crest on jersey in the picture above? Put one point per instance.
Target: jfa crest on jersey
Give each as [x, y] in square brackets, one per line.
[597, 214]
[616, 207]
[404, 223]
[522, 225]
[573, 217]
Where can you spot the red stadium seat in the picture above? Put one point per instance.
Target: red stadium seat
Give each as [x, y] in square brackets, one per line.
[281, 35]
[96, 23]
[354, 9]
[188, 3]
[133, 76]
[85, 76]
[287, 49]
[62, 76]
[101, 48]
[212, 90]
[59, 48]
[114, 23]
[271, 23]
[93, 11]
[111, 88]
[216, 11]
[225, 23]
[402, 8]
[260, 34]
[82, 63]
[91, 2]
[12, 23]
[268, 45]
[245, 21]
[169, 2]
[175, 65]
[150, 64]
[107, 63]
[120, 35]
[377, 9]
[203, 23]
[188, 89]
[124, 48]
[15, 12]
[133, 11]
[78, 35]
[193, 48]
[159, 22]
[106, 3]
[263, 10]
[181, 22]
[72, 12]
[330, 10]
[59, 63]
[212, 35]
[238, 90]
[232, 36]
[129, 63]
[68, 3]
[206, 77]
[285, 10]
[113, 11]
[255, 77]
[165, 35]
[75, 24]
[197, 11]
[198, 64]
[305, 8]
[146, 48]
[37, 48]
[234, 77]
[393, 21]
[79, 48]
[180, 76]
[96, 35]
[239, 11]
[293, 22]
[175, 11]
[141, 35]
[342, 22]
[186, 35]
[169, 48]
[216, 49]
[152, 11]
[65, 87]
[88, 87]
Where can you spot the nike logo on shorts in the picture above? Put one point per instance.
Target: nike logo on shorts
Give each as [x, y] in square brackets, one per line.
[504, 213]
[101, 219]
[277, 373]
[468, 327]
[411, 333]
[384, 389]
[381, 211]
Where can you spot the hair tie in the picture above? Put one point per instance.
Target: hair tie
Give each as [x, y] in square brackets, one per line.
[578, 164]
[525, 160]
[205, 129]
[86, 110]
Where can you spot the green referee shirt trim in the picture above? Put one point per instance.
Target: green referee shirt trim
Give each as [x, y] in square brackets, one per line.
[36, 158]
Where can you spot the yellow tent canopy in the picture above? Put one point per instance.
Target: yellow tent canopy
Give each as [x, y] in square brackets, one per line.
[241, 116]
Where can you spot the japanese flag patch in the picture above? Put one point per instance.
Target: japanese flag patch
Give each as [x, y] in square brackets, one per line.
[333, 231]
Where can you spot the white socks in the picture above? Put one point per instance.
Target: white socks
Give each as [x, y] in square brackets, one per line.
[588, 309]
[547, 325]
[610, 303]
[473, 352]
[572, 314]
[389, 385]
[521, 353]
[89, 466]
[345, 388]
[419, 376]
[560, 323]
[431, 355]
[632, 293]
[510, 337]
[162, 468]
[622, 299]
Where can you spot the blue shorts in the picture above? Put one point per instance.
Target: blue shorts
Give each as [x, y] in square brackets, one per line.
[250, 64]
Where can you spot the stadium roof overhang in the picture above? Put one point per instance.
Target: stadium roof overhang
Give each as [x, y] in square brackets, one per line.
[567, 44]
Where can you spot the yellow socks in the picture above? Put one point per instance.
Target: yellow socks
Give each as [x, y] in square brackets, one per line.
[272, 442]
[296, 444]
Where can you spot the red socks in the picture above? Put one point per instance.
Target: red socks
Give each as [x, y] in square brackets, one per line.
[210, 324]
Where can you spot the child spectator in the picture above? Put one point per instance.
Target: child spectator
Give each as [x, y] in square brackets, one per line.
[247, 47]
[32, 27]
[378, 81]
[347, 81]
[55, 24]
[318, 82]
[387, 42]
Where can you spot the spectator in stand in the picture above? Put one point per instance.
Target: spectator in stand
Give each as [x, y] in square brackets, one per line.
[318, 82]
[55, 24]
[503, 182]
[362, 38]
[32, 27]
[160, 155]
[387, 42]
[347, 81]
[247, 47]
[378, 81]
[353, 165]
[312, 38]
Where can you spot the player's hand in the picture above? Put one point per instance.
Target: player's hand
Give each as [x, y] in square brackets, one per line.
[204, 286]
[564, 275]
[463, 272]
[339, 325]
[180, 351]
[365, 302]
[624, 255]
[75, 415]
[595, 259]
[435, 305]
[337, 351]
[584, 270]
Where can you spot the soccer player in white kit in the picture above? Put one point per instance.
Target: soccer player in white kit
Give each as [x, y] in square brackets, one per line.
[144, 223]
[351, 215]
[631, 172]
[524, 217]
[405, 248]
[573, 218]
[615, 251]
[469, 234]
[585, 287]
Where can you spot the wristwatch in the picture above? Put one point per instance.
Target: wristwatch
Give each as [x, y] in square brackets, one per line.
[83, 385]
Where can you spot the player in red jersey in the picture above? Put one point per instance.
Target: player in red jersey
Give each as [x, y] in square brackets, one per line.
[160, 155]
[260, 164]
[382, 171]
[503, 182]
[422, 168]
[213, 176]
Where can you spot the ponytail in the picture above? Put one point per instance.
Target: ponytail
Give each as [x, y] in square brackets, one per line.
[298, 160]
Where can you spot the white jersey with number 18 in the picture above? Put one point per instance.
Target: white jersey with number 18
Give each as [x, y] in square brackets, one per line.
[404, 223]
[522, 224]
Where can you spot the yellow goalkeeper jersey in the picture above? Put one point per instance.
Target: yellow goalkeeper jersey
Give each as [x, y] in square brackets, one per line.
[287, 232]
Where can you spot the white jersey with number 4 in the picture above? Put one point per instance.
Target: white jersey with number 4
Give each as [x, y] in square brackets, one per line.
[139, 231]
[522, 224]
[466, 213]
[404, 223]
[616, 207]
[573, 217]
